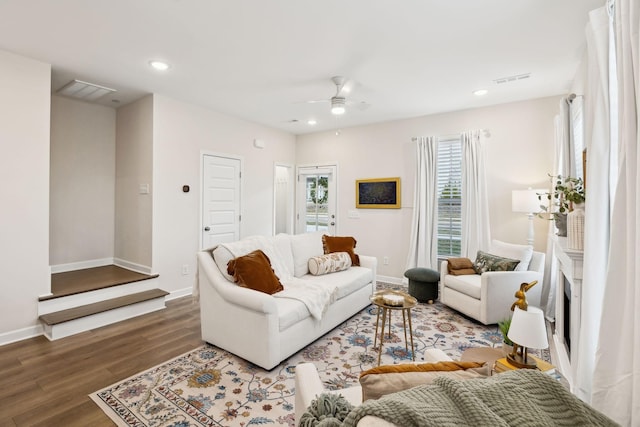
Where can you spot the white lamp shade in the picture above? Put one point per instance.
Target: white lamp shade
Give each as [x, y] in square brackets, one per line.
[525, 201]
[528, 328]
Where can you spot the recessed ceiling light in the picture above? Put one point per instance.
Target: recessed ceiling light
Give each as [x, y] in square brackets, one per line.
[480, 92]
[159, 65]
[311, 122]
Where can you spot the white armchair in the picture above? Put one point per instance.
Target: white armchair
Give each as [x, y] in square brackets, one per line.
[488, 297]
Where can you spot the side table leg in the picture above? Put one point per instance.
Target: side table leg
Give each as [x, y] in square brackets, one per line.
[404, 326]
[375, 336]
[413, 353]
[384, 318]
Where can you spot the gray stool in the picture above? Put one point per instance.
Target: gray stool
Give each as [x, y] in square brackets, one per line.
[423, 283]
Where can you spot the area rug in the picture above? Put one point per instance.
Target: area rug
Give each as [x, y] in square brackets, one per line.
[211, 387]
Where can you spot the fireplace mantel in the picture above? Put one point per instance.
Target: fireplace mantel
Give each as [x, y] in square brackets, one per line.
[569, 264]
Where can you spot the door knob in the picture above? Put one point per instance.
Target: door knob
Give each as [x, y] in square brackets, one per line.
[333, 223]
[207, 229]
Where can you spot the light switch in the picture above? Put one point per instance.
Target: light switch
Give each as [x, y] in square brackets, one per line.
[144, 189]
[353, 214]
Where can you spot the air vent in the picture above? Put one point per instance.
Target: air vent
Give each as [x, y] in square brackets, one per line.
[85, 91]
[510, 79]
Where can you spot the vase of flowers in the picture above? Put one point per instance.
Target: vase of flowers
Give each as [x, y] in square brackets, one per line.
[568, 193]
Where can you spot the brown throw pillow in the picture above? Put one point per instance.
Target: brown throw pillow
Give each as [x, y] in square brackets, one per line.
[387, 379]
[254, 271]
[460, 266]
[332, 244]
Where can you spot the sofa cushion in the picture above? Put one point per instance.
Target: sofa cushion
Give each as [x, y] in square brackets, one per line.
[305, 246]
[523, 253]
[347, 244]
[489, 262]
[468, 284]
[329, 263]
[282, 245]
[346, 281]
[254, 271]
[386, 379]
[290, 312]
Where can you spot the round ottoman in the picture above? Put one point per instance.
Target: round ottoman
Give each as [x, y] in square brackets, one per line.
[423, 283]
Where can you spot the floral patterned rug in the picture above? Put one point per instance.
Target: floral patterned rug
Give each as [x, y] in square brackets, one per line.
[211, 387]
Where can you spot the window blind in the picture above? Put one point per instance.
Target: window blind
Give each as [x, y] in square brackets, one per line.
[449, 197]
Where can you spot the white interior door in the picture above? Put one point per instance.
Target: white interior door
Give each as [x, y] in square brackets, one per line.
[283, 199]
[220, 200]
[316, 201]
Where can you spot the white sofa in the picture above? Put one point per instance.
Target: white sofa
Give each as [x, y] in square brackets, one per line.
[488, 297]
[309, 386]
[265, 329]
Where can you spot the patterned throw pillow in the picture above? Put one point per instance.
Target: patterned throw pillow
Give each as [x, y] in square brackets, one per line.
[489, 262]
[329, 263]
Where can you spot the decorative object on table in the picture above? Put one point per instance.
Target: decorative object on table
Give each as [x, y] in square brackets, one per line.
[378, 193]
[393, 300]
[575, 229]
[423, 283]
[526, 201]
[527, 330]
[521, 295]
[567, 193]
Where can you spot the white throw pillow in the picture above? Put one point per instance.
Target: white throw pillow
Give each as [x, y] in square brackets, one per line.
[511, 250]
[305, 246]
[329, 263]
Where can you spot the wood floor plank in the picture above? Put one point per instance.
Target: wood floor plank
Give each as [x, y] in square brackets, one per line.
[47, 382]
[78, 281]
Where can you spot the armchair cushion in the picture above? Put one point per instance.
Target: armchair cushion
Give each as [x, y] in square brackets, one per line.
[523, 253]
[387, 379]
[468, 284]
[490, 262]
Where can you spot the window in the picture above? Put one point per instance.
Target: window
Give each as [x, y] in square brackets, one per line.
[449, 197]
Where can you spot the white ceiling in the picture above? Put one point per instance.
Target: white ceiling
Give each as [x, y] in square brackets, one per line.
[262, 59]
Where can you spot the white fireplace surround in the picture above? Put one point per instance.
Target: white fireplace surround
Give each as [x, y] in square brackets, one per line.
[569, 268]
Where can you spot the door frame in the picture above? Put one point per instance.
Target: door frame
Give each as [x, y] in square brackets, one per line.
[291, 221]
[240, 186]
[319, 166]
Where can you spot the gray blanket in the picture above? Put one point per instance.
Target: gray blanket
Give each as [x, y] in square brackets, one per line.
[518, 398]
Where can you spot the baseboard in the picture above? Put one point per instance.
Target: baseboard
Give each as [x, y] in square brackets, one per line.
[179, 293]
[389, 279]
[61, 268]
[139, 268]
[20, 334]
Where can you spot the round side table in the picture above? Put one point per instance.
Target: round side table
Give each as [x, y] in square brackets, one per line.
[407, 303]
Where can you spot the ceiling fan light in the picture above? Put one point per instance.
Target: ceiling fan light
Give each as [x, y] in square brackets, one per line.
[337, 105]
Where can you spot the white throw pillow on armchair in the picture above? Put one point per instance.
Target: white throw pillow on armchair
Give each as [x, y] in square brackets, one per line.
[514, 251]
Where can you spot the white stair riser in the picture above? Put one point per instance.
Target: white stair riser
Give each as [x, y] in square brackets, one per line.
[83, 324]
[71, 301]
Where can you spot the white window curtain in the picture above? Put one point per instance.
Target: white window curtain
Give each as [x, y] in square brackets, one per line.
[596, 240]
[475, 198]
[616, 379]
[423, 249]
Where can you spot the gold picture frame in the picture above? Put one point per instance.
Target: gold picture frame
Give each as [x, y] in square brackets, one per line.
[378, 193]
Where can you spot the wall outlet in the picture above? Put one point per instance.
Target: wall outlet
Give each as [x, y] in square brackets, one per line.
[185, 269]
[385, 260]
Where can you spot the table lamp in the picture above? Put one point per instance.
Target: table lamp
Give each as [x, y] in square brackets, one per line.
[527, 330]
[526, 201]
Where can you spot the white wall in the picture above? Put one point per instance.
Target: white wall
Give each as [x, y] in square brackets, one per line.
[519, 153]
[24, 191]
[134, 167]
[82, 181]
[180, 133]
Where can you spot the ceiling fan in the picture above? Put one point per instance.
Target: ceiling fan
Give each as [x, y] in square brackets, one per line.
[339, 101]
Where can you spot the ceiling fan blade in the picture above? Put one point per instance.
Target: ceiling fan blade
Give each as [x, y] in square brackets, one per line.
[344, 86]
[360, 105]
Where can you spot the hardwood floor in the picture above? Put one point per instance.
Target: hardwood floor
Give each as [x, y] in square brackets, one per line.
[46, 383]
